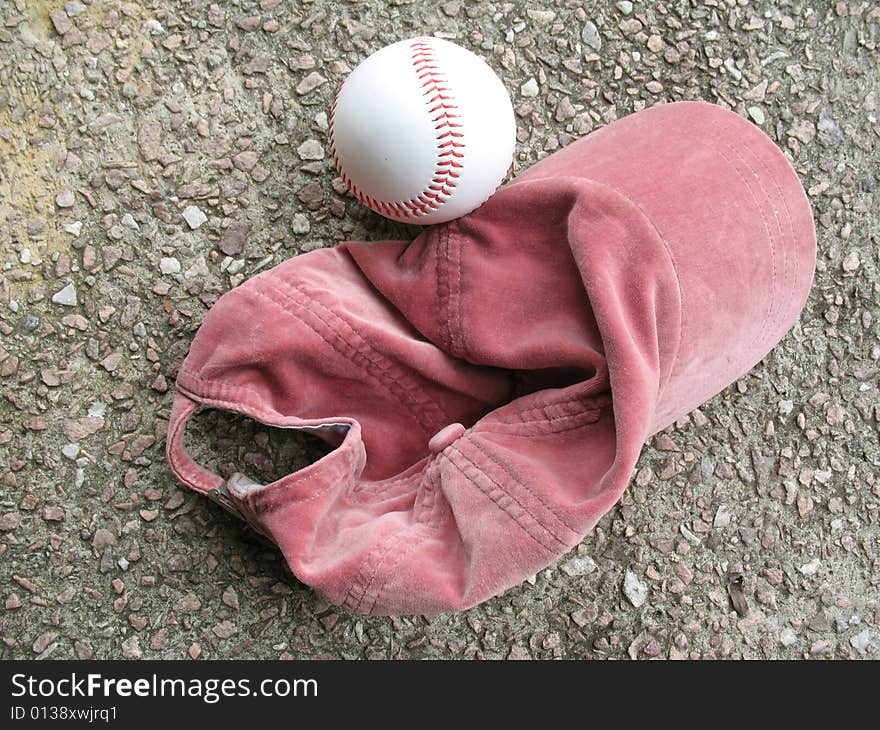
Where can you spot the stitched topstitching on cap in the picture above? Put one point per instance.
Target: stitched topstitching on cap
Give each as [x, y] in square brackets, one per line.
[516, 479]
[671, 258]
[349, 342]
[458, 304]
[506, 501]
[363, 491]
[771, 299]
[449, 278]
[426, 518]
[759, 340]
[441, 268]
[543, 426]
[787, 288]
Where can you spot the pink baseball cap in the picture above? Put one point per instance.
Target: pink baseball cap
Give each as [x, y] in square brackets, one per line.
[488, 386]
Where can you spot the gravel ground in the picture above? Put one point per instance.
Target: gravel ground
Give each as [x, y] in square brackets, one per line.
[155, 154]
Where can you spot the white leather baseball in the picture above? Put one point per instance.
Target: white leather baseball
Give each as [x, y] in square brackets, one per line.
[422, 131]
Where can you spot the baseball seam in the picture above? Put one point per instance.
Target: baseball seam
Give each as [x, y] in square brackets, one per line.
[442, 108]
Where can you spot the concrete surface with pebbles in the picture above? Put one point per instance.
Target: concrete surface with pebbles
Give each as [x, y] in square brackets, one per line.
[155, 154]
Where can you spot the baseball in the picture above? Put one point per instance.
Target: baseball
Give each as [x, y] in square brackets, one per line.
[422, 131]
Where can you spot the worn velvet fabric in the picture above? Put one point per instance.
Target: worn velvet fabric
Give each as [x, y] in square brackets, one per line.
[488, 386]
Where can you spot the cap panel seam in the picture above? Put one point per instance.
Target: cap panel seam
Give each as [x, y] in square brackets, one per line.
[368, 571]
[550, 426]
[513, 509]
[768, 200]
[380, 555]
[516, 479]
[225, 387]
[396, 384]
[767, 229]
[452, 281]
[578, 403]
[443, 293]
[219, 386]
[673, 265]
[781, 196]
[362, 491]
[497, 494]
[387, 371]
[463, 348]
[420, 533]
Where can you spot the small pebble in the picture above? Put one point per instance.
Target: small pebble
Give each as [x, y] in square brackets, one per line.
[852, 262]
[634, 589]
[67, 296]
[194, 217]
[723, 517]
[578, 565]
[65, 199]
[233, 239]
[311, 149]
[590, 36]
[98, 409]
[131, 648]
[810, 568]
[529, 89]
[828, 133]
[310, 83]
[541, 17]
[300, 224]
[152, 27]
[169, 265]
[71, 451]
[862, 641]
[730, 66]
[225, 629]
[787, 637]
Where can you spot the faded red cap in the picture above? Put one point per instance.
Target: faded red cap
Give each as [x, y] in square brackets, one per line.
[488, 386]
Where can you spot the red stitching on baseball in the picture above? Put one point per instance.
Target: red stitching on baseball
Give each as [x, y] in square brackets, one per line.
[440, 104]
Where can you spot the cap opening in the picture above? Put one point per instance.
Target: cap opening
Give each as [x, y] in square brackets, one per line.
[525, 382]
[236, 446]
